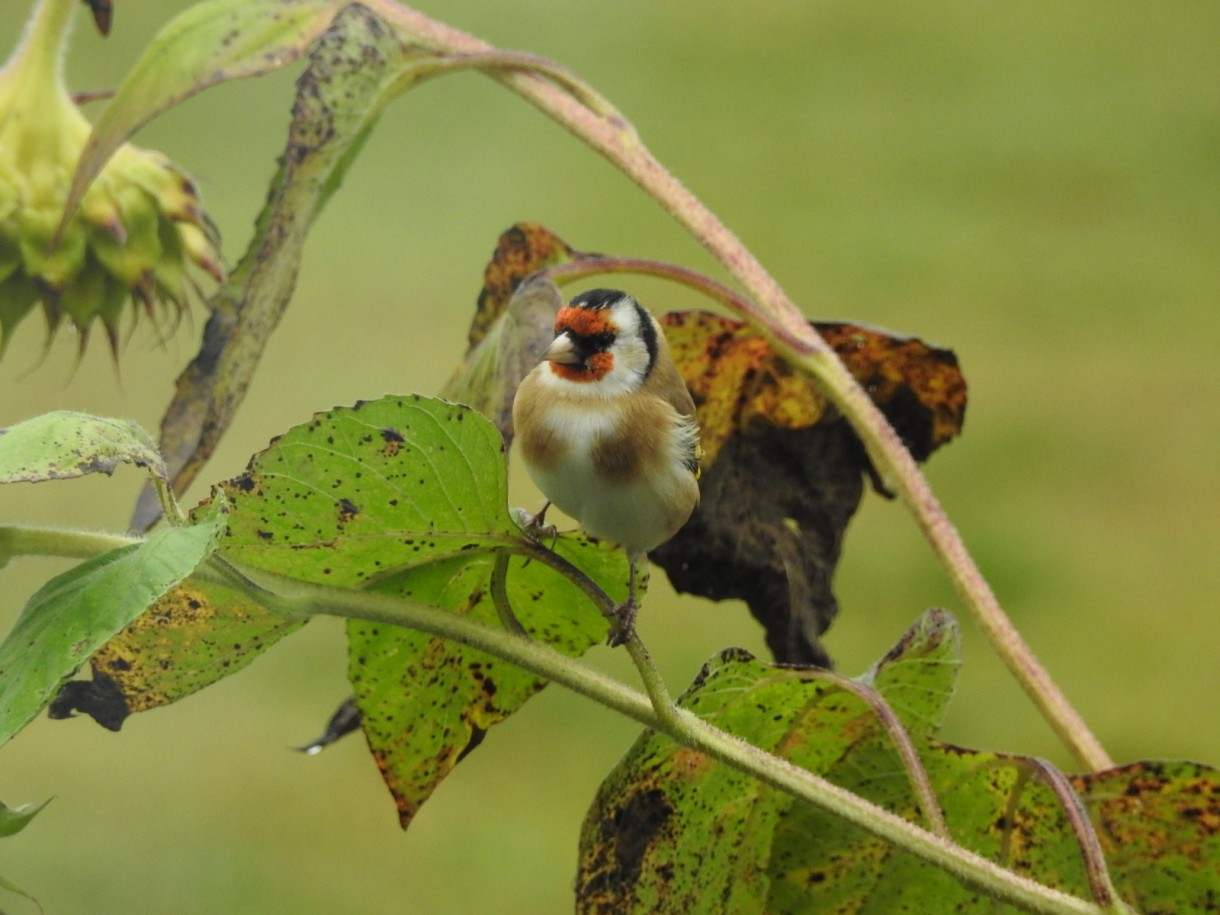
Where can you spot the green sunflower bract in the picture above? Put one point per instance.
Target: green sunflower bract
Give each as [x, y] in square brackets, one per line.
[137, 231]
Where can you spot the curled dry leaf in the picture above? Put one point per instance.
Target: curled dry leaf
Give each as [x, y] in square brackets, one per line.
[521, 250]
[506, 352]
[783, 472]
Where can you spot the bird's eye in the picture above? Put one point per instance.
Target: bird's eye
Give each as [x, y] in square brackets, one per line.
[602, 341]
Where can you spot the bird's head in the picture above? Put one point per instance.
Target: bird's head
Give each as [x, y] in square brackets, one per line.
[603, 338]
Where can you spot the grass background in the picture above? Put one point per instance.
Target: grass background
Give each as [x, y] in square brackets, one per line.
[1036, 186]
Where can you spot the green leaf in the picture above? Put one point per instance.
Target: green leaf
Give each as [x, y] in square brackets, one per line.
[427, 702]
[361, 492]
[407, 496]
[917, 675]
[356, 67]
[12, 821]
[209, 43]
[644, 845]
[673, 831]
[63, 444]
[76, 612]
[15, 819]
[1159, 825]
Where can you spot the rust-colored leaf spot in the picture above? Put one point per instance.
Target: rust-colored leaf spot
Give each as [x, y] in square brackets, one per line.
[393, 440]
[521, 250]
[783, 473]
[1159, 826]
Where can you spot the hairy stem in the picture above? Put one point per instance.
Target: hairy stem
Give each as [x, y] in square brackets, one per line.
[17, 540]
[921, 785]
[770, 308]
[297, 599]
[1096, 870]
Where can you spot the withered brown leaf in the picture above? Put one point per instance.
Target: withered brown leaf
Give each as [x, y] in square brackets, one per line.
[783, 472]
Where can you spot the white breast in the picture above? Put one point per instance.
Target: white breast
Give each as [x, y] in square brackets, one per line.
[639, 514]
[570, 481]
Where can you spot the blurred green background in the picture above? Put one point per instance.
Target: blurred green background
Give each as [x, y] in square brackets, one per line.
[1035, 185]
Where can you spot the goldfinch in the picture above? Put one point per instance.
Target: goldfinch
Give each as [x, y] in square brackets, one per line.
[607, 430]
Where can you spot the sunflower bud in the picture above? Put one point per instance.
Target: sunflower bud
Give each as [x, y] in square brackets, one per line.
[136, 231]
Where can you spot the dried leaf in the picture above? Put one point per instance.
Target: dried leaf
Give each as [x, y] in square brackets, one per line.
[918, 387]
[783, 473]
[522, 250]
[506, 352]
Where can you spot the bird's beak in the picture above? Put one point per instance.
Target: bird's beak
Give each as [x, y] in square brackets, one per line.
[563, 350]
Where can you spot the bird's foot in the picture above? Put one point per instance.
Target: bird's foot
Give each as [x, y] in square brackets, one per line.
[622, 623]
[535, 526]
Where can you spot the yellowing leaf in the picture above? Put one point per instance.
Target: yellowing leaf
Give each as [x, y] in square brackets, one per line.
[737, 380]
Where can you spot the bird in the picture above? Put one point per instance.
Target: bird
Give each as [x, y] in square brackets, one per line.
[607, 431]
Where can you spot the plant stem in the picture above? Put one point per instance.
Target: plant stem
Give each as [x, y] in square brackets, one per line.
[901, 473]
[1096, 870]
[593, 264]
[794, 337]
[17, 540]
[297, 599]
[921, 785]
[42, 45]
[654, 685]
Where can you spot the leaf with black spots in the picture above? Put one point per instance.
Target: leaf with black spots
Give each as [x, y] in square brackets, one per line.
[199, 632]
[645, 845]
[72, 615]
[674, 831]
[62, 445]
[408, 496]
[355, 66]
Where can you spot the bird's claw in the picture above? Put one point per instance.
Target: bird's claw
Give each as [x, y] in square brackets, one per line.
[622, 623]
[534, 526]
